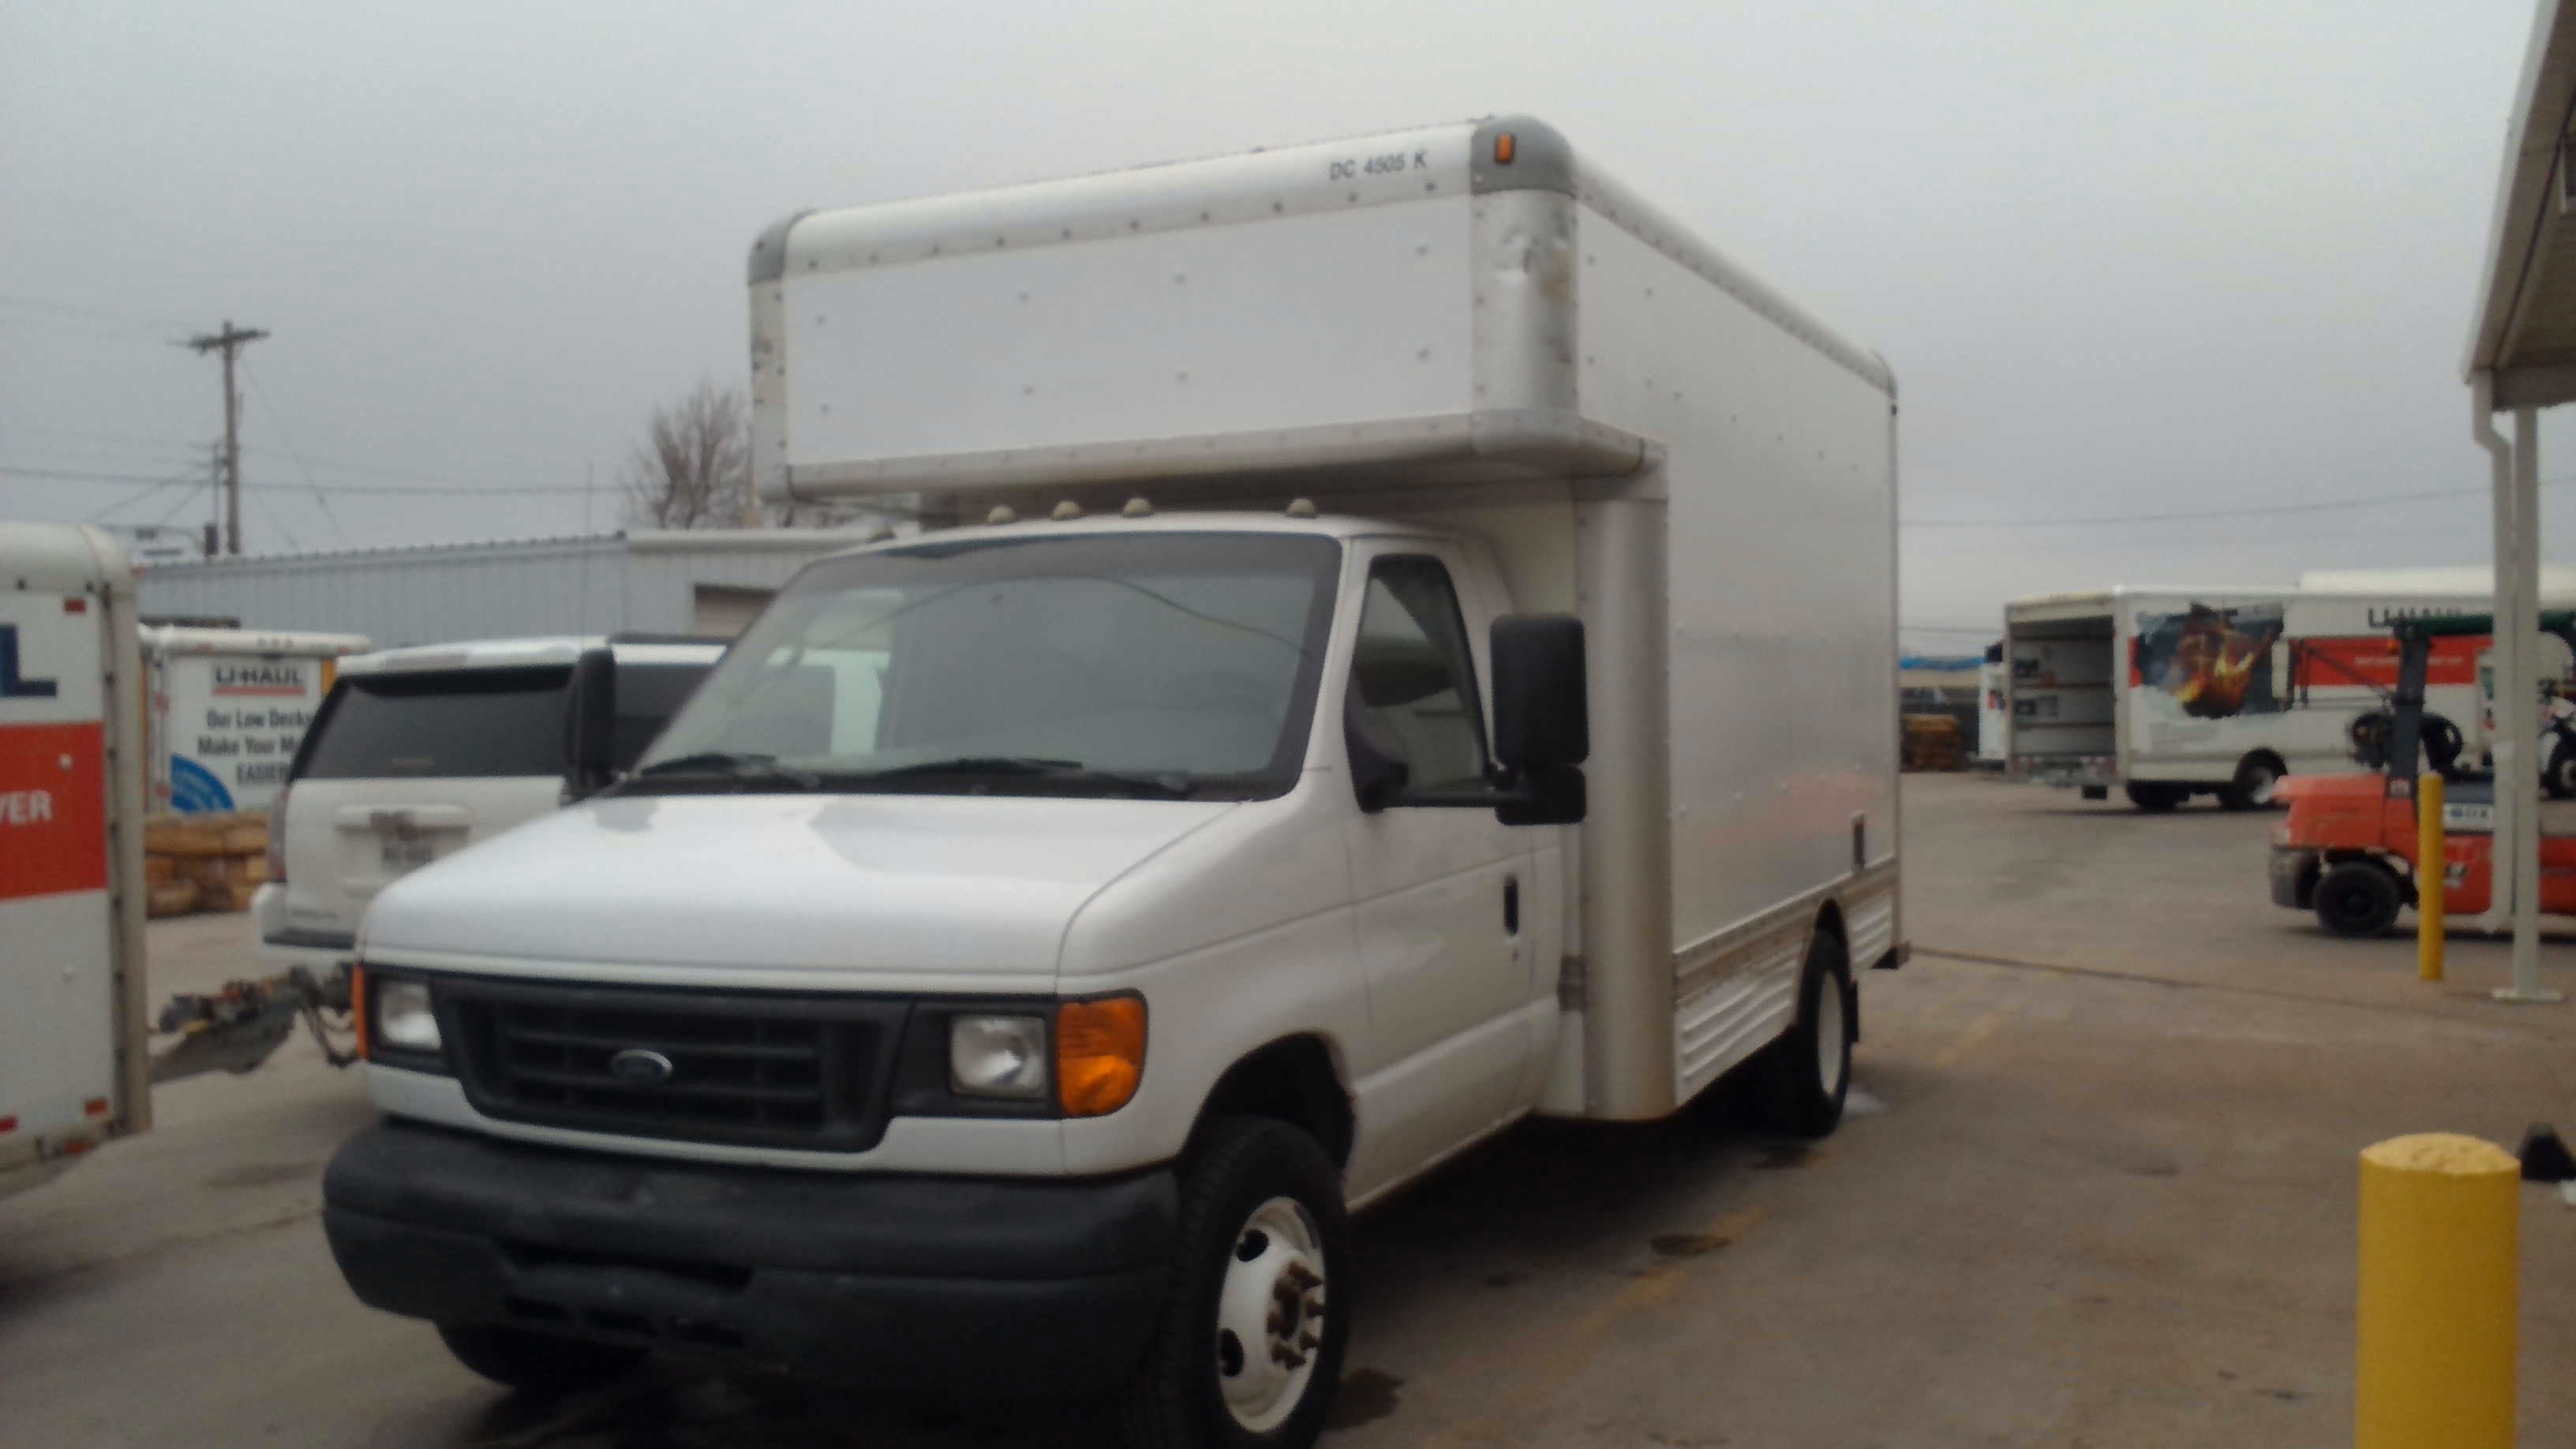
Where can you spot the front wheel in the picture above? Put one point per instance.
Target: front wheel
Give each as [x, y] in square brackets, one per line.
[2359, 898]
[1807, 1073]
[2558, 777]
[1257, 1315]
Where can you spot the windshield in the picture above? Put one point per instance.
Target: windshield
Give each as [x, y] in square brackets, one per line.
[1177, 663]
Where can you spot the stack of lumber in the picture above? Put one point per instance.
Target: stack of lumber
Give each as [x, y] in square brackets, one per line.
[204, 862]
[1934, 742]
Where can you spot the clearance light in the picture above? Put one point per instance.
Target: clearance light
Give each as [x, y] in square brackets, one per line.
[1099, 1054]
[1504, 146]
[95, 1106]
[358, 1009]
[8, 1124]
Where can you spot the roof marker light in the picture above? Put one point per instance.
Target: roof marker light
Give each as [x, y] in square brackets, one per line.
[1137, 507]
[1301, 508]
[1066, 511]
[1001, 514]
[1504, 147]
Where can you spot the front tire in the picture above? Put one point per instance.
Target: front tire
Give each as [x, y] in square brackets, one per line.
[1256, 1318]
[1807, 1073]
[2559, 777]
[542, 1365]
[2359, 898]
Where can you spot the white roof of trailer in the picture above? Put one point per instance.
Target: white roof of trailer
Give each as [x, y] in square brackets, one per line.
[182, 640]
[61, 558]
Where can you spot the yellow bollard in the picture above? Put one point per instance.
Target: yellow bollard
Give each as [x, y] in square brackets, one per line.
[2431, 873]
[2434, 1358]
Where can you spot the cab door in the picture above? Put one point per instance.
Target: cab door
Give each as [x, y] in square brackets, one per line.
[1442, 894]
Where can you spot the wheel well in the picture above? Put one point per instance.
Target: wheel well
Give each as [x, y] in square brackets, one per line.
[1292, 1080]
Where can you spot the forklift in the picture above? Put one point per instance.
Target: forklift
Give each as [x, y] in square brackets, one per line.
[2347, 849]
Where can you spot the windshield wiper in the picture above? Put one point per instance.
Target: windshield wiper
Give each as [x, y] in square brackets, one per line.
[1173, 786]
[725, 764]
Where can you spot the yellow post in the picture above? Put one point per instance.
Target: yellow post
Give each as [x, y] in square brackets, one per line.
[2434, 1359]
[2431, 873]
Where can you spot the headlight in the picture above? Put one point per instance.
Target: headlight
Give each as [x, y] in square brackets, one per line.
[404, 1020]
[997, 1056]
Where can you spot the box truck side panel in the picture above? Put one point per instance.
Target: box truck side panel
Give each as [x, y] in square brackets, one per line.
[1779, 633]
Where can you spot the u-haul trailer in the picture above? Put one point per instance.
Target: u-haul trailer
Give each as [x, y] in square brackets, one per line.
[1411, 646]
[73, 1042]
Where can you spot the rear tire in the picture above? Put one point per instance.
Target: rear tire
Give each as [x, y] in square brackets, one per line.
[2156, 799]
[1260, 1276]
[1807, 1074]
[542, 1365]
[2257, 777]
[2359, 898]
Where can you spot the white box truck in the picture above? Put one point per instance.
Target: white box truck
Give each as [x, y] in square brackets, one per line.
[73, 1039]
[1416, 649]
[2168, 693]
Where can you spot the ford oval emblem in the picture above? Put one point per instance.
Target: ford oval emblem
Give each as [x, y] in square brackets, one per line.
[637, 1067]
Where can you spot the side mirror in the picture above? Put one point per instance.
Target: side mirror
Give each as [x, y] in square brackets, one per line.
[590, 724]
[1542, 717]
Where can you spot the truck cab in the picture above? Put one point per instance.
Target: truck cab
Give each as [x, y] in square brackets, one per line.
[1303, 741]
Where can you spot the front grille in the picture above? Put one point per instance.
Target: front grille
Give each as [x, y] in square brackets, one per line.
[774, 1069]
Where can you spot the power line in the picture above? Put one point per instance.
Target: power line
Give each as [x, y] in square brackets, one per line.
[69, 309]
[2260, 510]
[320, 499]
[390, 490]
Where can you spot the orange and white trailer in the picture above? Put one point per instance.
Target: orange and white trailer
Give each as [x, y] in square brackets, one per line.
[73, 1036]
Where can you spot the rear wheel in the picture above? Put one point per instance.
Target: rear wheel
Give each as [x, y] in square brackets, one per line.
[538, 1364]
[2359, 898]
[1807, 1073]
[1255, 1323]
[2155, 799]
[2258, 778]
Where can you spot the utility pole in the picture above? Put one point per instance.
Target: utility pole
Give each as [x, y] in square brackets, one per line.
[230, 342]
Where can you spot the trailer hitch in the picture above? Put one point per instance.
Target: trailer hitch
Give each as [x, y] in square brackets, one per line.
[239, 1026]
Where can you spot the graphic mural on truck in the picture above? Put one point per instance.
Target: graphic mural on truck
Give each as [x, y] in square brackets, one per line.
[2211, 662]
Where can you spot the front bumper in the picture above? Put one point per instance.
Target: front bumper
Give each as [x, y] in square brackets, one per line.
[989, 1286]
[2294, 876]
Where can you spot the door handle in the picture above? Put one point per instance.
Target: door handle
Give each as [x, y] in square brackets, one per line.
[1511, 905]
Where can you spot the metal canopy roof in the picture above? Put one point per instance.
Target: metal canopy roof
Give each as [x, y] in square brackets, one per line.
[2526, 320]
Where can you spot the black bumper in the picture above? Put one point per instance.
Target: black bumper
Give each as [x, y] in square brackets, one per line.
[2294, 876]
[987, 1286]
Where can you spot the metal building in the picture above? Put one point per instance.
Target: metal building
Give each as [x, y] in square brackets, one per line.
[705, 581]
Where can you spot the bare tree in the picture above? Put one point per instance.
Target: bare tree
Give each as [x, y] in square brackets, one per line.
[693, 469]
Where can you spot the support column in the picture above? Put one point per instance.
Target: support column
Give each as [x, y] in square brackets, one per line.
[2517, 785]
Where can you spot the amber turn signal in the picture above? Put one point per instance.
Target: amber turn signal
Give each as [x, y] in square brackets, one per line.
[358, 1008]
[1099, 1054]
[1503, 148]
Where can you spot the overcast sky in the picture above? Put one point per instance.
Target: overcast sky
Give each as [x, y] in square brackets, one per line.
[2154, 258]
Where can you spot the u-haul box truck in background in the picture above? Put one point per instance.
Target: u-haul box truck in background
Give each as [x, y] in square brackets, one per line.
[73, 1041]
[228, 707]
